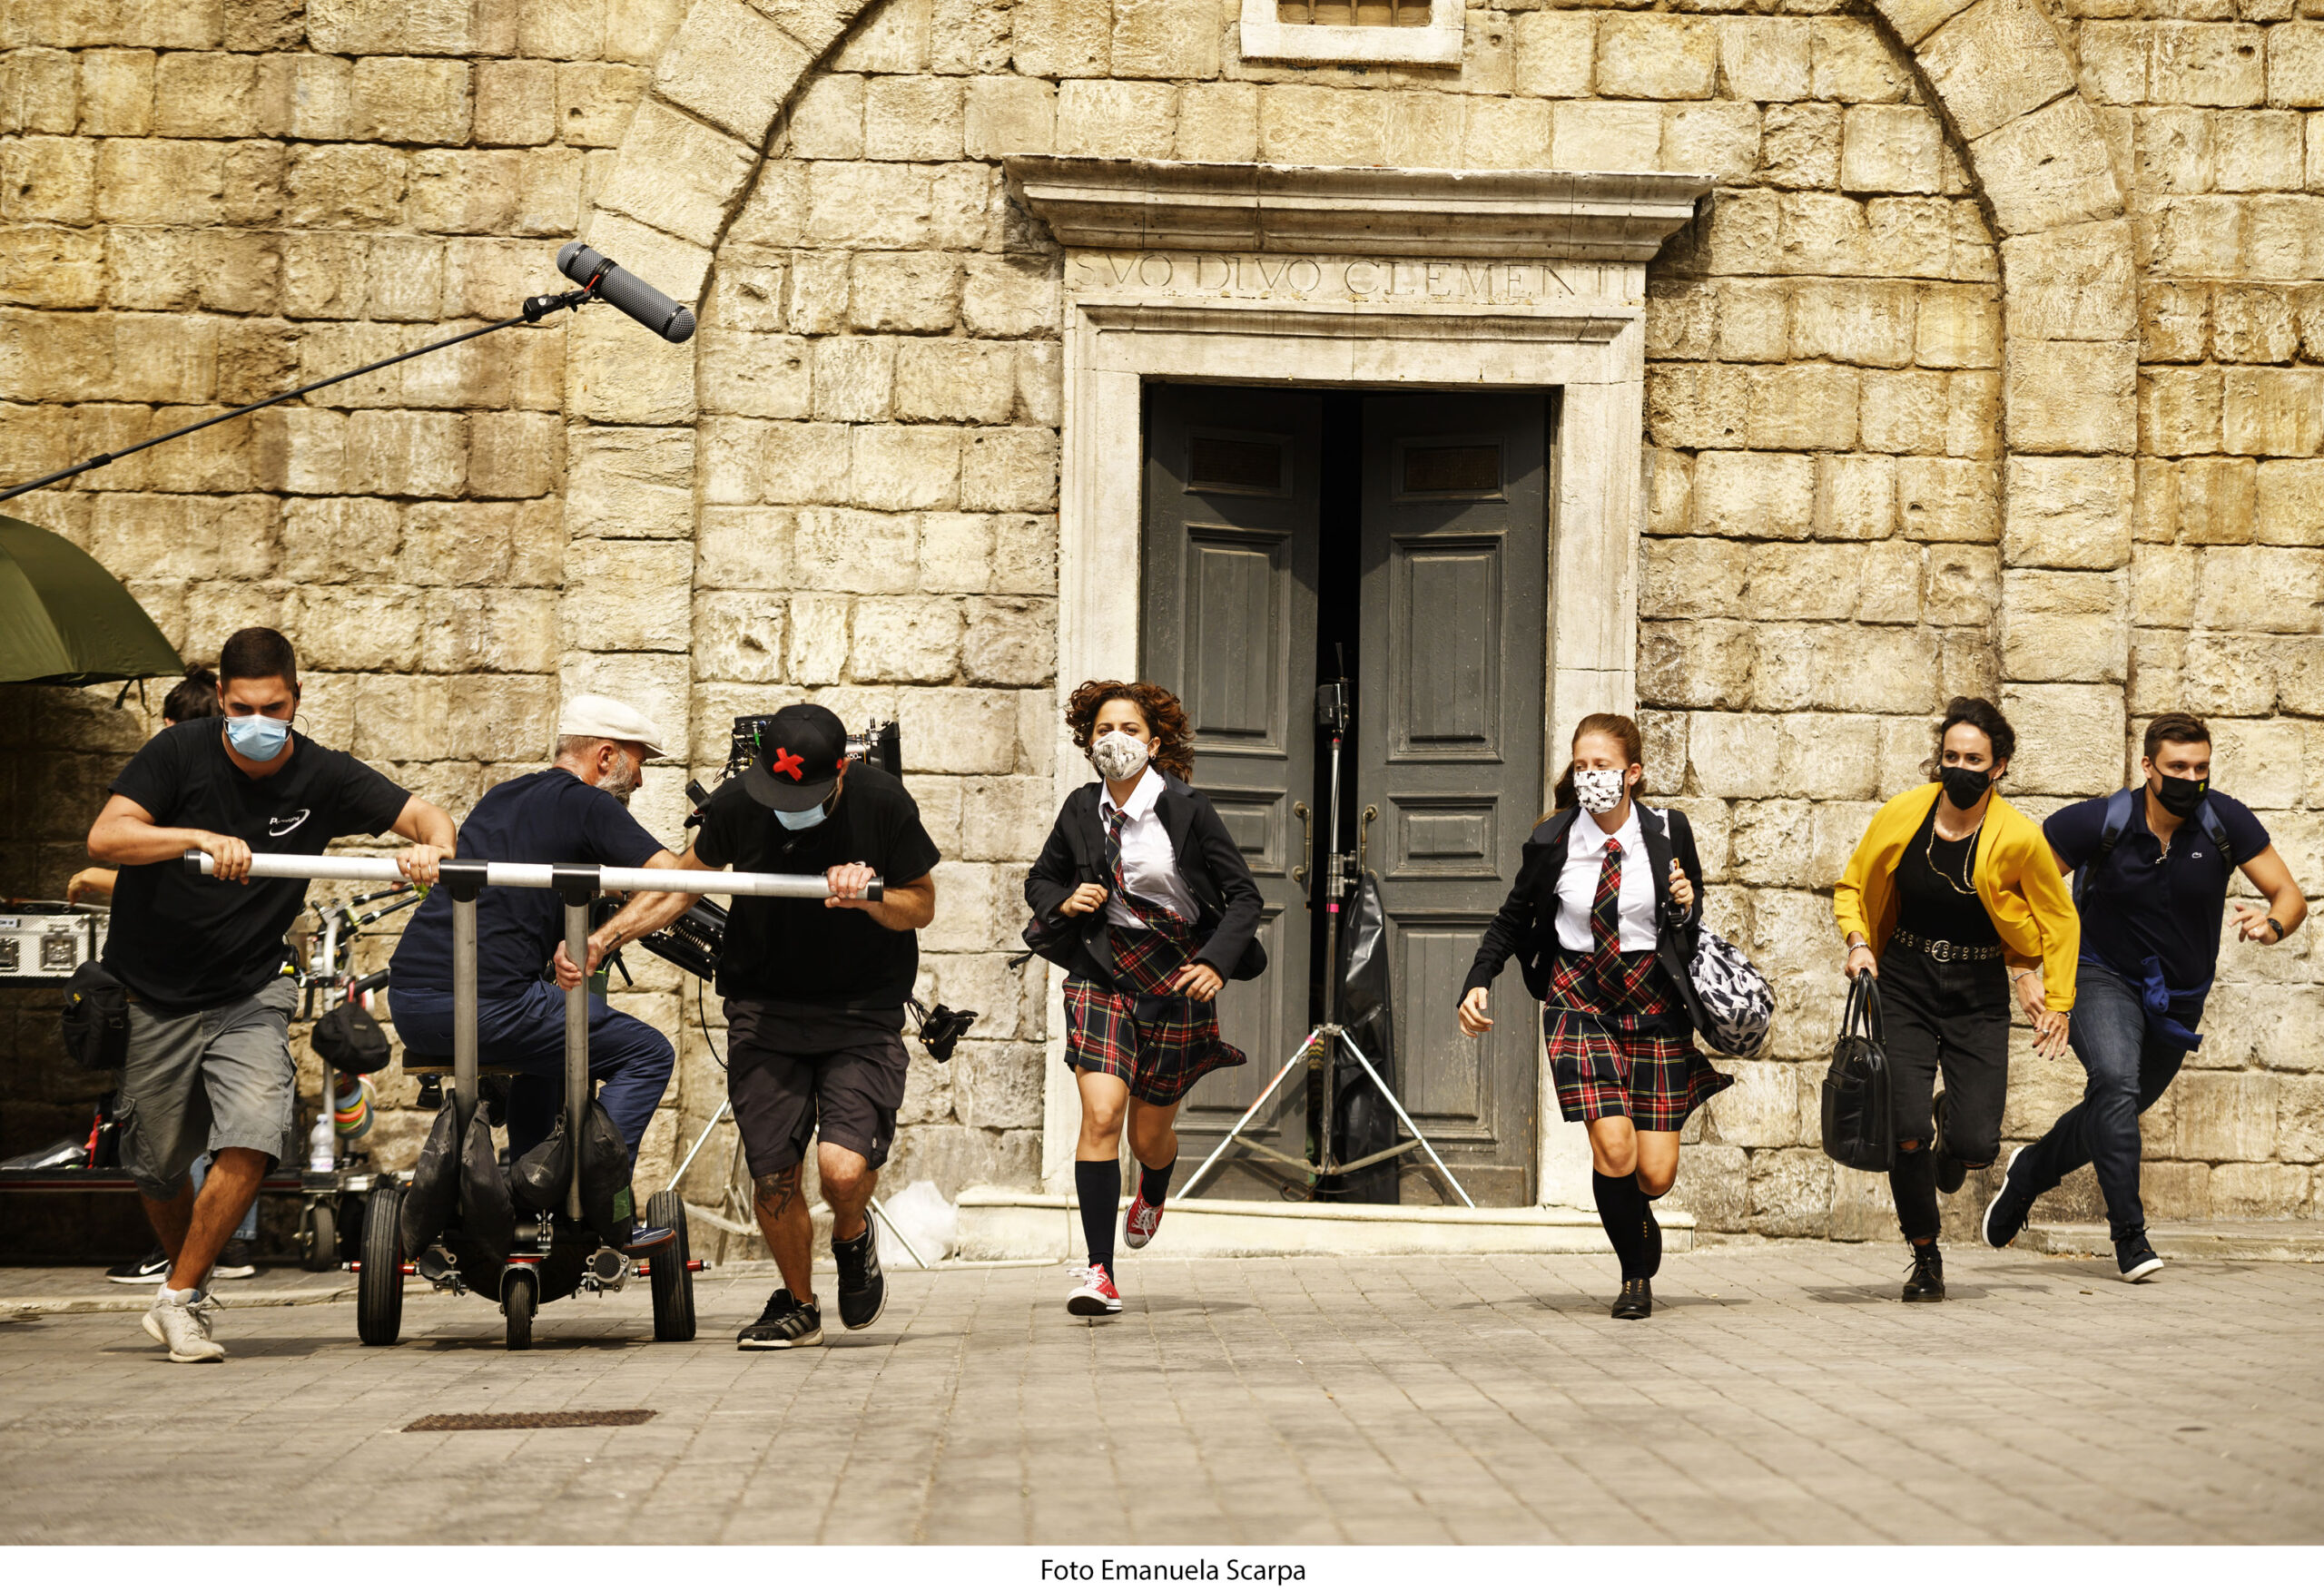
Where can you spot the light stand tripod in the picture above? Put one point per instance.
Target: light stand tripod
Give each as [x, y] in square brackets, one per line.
[1339, 877]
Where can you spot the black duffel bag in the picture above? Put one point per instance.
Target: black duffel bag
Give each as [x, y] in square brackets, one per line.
[97, 1018]
[1858, 1129]
[350, 1039]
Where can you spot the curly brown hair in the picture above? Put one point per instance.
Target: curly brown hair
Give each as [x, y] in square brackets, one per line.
[1163, 714]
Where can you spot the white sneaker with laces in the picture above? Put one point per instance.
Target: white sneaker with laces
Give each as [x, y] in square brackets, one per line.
[179, 1321]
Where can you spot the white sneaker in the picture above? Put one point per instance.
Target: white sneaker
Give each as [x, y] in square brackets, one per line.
[181, 1323]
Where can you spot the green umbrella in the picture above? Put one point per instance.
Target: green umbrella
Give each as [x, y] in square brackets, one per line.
[65, 620]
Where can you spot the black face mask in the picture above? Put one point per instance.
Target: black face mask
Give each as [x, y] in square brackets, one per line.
[1964, 785]
[2180, 797]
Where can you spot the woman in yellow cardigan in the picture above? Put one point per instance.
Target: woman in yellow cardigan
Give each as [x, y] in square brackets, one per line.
[1952, 895]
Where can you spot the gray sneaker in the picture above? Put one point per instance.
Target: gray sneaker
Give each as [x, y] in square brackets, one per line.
[183, 1328]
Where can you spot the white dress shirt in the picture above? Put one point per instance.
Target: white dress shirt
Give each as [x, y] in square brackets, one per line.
[1585, 854]
[1149, 866]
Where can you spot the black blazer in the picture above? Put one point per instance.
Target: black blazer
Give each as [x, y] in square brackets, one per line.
[1210, 864]
[1526, 926]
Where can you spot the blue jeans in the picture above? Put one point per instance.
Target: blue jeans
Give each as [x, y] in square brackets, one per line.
[629, 1060]
[2128, 1065]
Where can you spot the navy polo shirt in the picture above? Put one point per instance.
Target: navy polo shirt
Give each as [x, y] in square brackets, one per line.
[2141, 901]
[546, 817]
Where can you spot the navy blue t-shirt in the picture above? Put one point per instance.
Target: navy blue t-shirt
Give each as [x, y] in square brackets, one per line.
[546, 817]
[2142, 902]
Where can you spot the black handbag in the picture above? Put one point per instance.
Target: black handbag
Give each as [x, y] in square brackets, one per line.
[350, 1039]
[95, 1020]
[1858, 1129]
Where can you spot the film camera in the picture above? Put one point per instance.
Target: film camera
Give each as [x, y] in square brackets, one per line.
[695, 942]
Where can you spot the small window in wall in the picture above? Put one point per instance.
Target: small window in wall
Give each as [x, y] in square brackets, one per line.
[1353, 31]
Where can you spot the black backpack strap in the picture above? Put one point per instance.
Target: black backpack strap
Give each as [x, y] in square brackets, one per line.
[2118, 819]
[2209, 818]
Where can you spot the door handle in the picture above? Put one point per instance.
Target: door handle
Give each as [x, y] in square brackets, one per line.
[1363, 841]
[1306, 841]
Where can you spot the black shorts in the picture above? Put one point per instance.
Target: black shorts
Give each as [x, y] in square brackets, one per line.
[791, 1081]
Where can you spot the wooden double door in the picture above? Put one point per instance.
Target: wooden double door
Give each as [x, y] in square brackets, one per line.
[1401, 537]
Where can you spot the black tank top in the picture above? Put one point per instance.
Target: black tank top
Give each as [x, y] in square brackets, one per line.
[1936, 892]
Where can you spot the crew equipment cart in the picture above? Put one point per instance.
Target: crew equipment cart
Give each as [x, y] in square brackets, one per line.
[554, 1255]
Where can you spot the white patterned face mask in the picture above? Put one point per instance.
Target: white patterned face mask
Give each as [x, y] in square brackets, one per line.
[1599, 789]
[1120, 757]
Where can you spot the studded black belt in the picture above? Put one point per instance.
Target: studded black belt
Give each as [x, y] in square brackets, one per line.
[1944, 950]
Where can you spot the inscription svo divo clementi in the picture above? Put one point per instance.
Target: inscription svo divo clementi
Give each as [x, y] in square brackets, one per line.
[1346, 277]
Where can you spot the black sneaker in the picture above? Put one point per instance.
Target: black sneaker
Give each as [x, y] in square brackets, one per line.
[1926, 1283]
[235, 1261]
[645, 1240]
[2006, 1214]
[1636, 1300]
[862, 1291]
[2136, 1259]
[147, 1271]
[1950, 1173]
[785, 1323]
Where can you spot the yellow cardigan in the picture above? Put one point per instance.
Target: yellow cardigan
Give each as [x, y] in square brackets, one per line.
[2017, 879]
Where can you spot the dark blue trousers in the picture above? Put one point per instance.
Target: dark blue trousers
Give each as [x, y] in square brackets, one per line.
[630, 1062]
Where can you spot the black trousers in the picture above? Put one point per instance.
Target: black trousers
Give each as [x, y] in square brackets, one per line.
[1949, 1018]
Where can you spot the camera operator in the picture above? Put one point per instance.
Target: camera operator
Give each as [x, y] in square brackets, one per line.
[208, 1008]
[570, 812]
[815, 997]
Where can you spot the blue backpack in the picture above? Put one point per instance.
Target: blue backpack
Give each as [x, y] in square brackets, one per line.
[2118, 819]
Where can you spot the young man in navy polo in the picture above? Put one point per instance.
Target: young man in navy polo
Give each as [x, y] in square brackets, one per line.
[2154, 864]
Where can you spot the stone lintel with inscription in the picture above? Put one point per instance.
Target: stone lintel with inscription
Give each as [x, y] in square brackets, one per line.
[1355, 278]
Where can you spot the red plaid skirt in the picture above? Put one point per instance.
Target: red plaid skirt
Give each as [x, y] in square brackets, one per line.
[1604, 1066]
[1157, 1043]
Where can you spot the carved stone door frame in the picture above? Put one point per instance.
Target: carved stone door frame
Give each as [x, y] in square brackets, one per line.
[1331, 277]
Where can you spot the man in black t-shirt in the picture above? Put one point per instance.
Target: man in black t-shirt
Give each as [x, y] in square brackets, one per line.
[569, 812]
[814, 993]
[2150, 897]
[209, 1063]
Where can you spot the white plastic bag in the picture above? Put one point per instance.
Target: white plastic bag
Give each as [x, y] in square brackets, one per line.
[925, 1219]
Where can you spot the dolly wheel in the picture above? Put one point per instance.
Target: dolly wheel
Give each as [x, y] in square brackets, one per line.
[673, 1276]
[520, 1290]
[319, 1249]
[379, 1291]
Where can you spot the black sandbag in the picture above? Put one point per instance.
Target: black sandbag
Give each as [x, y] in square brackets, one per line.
[488, 1217]
[543, 1172]
[433, 1194]
[605, 1202]
[1362, 1121]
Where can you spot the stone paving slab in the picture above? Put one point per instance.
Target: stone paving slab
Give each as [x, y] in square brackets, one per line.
[1779, 1394]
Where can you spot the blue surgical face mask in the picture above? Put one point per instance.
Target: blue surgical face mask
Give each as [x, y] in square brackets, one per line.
[806, 819]
[259, 738]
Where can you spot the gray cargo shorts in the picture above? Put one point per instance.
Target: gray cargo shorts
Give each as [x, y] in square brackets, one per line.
[219, 1079]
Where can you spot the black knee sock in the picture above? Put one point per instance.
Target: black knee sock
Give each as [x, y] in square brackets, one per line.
[1623, 1213]
[1913, 1181]
[1154, 1181]
[1651, 1260]
[1099, 1184]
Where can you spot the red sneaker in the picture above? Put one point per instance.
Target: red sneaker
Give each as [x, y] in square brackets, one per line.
[1095, 1295]
[1138, 1227]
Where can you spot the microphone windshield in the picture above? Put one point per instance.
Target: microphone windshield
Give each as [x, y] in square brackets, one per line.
[648, 306]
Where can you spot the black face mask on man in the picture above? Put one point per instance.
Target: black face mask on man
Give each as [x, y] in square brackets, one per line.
[1964, 786]
[2180, 797]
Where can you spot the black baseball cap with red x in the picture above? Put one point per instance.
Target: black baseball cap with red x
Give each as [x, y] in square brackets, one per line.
[800, 753]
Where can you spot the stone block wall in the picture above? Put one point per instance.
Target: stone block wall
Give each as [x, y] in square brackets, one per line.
[1989, 366]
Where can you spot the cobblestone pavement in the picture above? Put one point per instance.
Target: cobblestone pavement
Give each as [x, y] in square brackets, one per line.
[1781, 1393]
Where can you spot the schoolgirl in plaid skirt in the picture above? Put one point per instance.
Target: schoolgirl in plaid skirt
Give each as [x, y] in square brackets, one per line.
[1145, 899]
[1603, 920]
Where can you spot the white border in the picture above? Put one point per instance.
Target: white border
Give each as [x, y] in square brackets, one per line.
[1264, 38]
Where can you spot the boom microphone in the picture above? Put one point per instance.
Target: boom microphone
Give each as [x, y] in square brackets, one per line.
[656, 310]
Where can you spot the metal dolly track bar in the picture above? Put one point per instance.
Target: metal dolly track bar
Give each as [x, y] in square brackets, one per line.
[379, 870]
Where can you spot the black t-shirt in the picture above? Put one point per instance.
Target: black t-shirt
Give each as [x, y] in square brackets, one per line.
[2141, 901]
[180, 940]
[552, 817]
[803, 951]
[1937, 890]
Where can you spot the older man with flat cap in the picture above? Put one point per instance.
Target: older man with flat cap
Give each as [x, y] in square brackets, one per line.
[571, 812]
